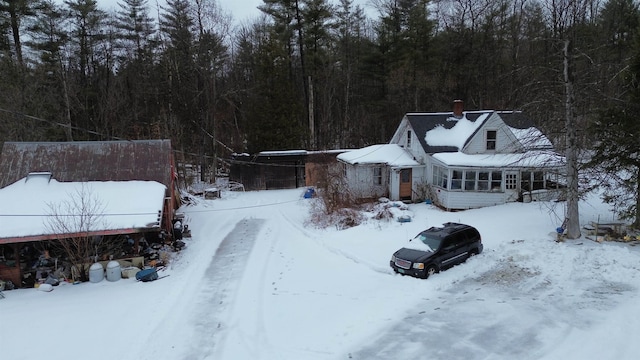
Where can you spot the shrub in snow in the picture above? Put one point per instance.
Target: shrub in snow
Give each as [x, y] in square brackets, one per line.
[383, 213]
[347, 218]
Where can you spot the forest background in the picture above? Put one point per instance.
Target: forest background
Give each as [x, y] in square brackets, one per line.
[310, 74]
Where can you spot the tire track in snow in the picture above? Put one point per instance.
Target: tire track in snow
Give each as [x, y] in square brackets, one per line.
[248, 337]
[219, 287]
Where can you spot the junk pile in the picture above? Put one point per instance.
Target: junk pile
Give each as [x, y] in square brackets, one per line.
[612, 231]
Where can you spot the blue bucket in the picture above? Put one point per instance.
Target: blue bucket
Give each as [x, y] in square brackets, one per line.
[309, 193]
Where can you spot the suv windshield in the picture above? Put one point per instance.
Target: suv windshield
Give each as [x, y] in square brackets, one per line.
[432, 242]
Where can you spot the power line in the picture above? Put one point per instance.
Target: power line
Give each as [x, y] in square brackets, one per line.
[153, 213]
[245, 207]
[75, 215]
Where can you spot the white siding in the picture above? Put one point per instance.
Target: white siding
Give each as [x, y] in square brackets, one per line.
[400, 138]
[506, 142]
[463, 200]
[360, 180]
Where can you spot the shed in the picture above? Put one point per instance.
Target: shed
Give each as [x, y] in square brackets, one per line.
[269, 170]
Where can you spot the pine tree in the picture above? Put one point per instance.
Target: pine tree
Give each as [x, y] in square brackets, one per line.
[616, 154]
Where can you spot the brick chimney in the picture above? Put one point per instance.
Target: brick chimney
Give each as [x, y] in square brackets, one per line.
[458, 106]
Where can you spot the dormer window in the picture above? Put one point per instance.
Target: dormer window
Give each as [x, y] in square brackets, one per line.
[408, 139]
[491, 139]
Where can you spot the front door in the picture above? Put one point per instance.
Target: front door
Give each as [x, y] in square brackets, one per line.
[511, 186]
[405, 184]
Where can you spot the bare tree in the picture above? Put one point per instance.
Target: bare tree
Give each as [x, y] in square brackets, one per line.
[74, 220]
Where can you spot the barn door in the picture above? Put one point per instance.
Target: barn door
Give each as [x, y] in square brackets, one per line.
[405, 184]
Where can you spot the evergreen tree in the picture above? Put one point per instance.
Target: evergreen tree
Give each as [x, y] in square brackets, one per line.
[48, 39]
[179, 88]
[89, 66]
[137, 47]
[15, 13]
[616, 154]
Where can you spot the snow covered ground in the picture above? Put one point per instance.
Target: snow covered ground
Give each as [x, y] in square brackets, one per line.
[256, 282]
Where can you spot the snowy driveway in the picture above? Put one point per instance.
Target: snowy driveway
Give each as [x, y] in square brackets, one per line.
[256, 282]
[321, 294]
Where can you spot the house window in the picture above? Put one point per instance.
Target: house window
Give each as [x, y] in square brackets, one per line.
[491, 139]
[377, 176]
[510, 181]
[440, 176]
[496, 180]
[483, 180]
[470, 180]
[408, 138]
[456, 179]
[538, 180]
[344, 170]
[525, 181]
[553, 180]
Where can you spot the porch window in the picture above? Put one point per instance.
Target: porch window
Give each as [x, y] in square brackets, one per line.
[496, 180]
[538, 180]
[440, 176]
[408, 138]
[554, 180]
[491, 139]
[456, 179]
[377, 176]
[525, 181]
[483, 180]
[470, 180]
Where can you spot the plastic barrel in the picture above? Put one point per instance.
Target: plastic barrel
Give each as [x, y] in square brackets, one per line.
[96, 273]
[114, 273]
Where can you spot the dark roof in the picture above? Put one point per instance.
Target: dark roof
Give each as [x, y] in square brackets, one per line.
[516, 119]
[149, 160]
[423, 122]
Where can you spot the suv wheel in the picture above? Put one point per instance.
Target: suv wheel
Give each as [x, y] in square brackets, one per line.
[471, 254]
[431, 269]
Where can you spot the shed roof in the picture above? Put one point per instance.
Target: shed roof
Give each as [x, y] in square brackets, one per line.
[28, 207]
[148, 160]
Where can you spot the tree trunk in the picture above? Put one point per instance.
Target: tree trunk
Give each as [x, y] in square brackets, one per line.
[572, 220]
[636, 220]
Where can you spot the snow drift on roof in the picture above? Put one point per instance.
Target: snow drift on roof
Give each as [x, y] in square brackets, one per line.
[457, 135]
[390, 154]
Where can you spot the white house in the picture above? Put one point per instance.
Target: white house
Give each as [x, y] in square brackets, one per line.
[466, 159]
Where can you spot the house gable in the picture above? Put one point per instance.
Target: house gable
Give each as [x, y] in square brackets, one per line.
[421, 123]
[493, 137]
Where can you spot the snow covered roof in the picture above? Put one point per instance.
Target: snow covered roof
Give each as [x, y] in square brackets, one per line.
[534, 158]
[443, 132]
[531, 138]
[456, 135]
[27, 205]
[389, 154]
[283, 152]
[423, 122]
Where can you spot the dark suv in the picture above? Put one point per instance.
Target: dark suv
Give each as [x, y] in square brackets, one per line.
[437, 248]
